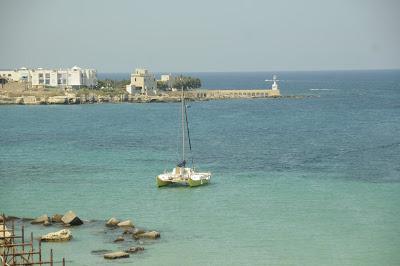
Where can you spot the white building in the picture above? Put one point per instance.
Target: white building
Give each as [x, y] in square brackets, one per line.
[16, 75]
[75, 77]
[72, 78]
[142, 80]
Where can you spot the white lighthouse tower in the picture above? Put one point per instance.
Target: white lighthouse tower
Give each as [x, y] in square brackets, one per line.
[274, 84]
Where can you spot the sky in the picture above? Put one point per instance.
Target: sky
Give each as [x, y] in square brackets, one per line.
[201, 36]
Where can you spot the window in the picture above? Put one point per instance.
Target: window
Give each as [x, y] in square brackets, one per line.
[40, 75]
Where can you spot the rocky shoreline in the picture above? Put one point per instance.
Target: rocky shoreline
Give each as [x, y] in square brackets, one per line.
[123, 231]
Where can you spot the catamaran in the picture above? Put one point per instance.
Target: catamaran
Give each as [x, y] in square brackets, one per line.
[181, 174]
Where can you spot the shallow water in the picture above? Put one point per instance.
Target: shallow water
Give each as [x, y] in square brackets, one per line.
[311, 181]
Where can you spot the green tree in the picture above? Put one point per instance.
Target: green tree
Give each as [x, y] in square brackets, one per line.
[187, 83]
[162, 85]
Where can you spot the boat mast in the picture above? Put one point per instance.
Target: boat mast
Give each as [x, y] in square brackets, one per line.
[183, 126]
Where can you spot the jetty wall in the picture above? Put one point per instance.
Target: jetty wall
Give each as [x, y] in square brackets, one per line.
[227, 94]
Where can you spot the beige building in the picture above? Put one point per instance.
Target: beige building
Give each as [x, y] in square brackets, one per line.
[143, 82]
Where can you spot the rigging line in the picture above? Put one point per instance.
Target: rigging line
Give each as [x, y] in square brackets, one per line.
[187, 128]
[188, 132]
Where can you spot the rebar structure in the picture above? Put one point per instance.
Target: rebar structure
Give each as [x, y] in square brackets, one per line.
[14, 250]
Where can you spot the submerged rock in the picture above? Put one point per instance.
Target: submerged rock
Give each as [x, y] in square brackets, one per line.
[138, 231]
[128, 231]
[116, 255]
[127, 223]
[134, 249]
[9, 218]
[71, 219]
[119, 239]
[149, 234]
[41, 219]
[56, 218]
[62, 235]
[100, 251]
[112, 222]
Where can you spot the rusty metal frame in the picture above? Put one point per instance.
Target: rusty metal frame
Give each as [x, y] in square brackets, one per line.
[15, 251]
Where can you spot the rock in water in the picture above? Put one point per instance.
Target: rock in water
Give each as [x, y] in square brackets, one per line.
[56, 218]
[116, 255]
[127, 223]
[134, 249]
[112, 222]
[149, 234]
[71, 219]
[119, 239]
[41, 219]
[62, 235]
[47, 223]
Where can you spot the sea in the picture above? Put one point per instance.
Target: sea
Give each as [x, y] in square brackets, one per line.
[312, 180]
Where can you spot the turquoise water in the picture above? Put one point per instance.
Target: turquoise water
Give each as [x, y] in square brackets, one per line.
[311, 181]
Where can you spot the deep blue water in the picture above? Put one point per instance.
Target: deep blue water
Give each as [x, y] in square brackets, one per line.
[312, 181]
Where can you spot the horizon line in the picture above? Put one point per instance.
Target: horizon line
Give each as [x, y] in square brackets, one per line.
[260, 71]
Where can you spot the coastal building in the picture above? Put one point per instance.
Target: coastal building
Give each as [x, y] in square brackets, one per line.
[16, 75]
[142, 82]
[74, 77]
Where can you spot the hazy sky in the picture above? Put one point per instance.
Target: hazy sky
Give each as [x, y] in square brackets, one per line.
[206, 35]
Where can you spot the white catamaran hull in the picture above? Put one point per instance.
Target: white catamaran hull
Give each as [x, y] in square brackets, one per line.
[183, 176]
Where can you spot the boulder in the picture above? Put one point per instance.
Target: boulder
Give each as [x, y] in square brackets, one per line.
[119, 239]
[71, 219]
[134, 249]
[116, 255]
[41, 219]
[56, 218]
[62, 235]
[112, 222]
[149, 234]
[127, 223]
[47, 223]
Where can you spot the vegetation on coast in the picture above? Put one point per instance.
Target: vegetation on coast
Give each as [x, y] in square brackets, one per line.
[185, 82]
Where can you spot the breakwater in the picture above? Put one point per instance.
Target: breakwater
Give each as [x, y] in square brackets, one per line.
[59, 97]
